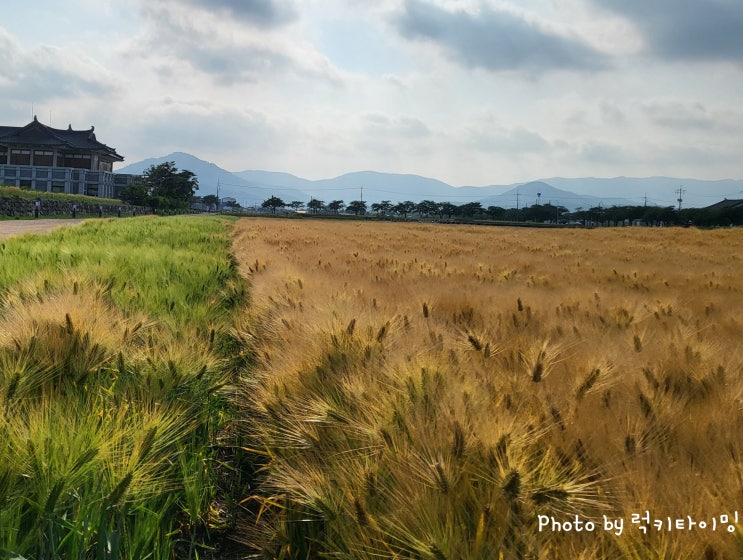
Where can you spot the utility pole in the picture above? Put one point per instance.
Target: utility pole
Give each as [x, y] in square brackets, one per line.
[680, 191]
[218, 199]
[517, 201]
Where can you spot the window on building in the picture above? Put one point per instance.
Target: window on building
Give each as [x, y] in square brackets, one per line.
[41, 185]
[43, 157]
[20, 157]
[78, 161]
[92, 190]
[58, 187]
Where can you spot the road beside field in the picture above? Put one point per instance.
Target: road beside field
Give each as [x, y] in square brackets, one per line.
[9, 228]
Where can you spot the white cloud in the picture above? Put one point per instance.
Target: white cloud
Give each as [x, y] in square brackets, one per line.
[514, 141]
[48, 72]
[227, 50]
[689, 116]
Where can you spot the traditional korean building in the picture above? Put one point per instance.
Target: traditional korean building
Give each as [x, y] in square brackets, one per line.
[48, 159]
[726, 204]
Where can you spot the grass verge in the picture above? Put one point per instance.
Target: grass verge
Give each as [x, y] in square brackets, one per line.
[28, 194]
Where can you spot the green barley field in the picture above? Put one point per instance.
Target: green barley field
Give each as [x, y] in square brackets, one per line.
[116, 369]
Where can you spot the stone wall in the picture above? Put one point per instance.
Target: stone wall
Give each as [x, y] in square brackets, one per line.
[21, 207]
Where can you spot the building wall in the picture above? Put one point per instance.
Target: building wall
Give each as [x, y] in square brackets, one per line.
[64, 180]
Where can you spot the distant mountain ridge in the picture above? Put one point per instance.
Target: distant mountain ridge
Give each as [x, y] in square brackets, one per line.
[252, 187]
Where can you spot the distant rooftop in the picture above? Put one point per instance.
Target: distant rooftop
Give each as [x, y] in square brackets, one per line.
[724, 204]
[37, 134]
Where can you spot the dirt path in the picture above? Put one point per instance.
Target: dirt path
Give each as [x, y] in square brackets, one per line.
[18, 227]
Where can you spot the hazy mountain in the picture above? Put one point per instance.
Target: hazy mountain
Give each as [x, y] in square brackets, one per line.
[384, 186]
[207, 173]
[252, 187]
[274, 178]
[248, 192]
[660, 191]
[540, 192]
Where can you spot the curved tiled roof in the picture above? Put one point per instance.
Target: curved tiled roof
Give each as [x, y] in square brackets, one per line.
[37, 134]
[723, 204]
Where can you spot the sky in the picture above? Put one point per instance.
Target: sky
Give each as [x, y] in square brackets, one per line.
[471, 92]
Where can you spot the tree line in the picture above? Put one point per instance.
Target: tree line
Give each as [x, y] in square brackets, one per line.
[164, 187]
[543, 213]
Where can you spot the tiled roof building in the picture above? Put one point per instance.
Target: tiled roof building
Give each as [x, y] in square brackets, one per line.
[724, 204]
[43, 158]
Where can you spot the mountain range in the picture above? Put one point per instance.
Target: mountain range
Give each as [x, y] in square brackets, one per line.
[251, 187]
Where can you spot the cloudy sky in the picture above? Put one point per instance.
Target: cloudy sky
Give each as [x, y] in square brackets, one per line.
[472, 92]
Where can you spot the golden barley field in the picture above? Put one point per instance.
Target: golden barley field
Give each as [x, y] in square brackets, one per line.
[463, 392]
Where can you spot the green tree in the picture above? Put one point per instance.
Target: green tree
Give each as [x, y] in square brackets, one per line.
[162, 186]
[273, 203]
[496, 212]
[427, 207]
[336, 206]
[382, 207]
[296, 205]
[136, 194]
[446, 209]
[357, 207]
[404, 208]
[548, 212]
[210, 200]
[315, 205]
[657, 215]
[470, 209]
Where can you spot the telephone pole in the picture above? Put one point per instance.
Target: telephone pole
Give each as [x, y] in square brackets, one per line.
[680, 191]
